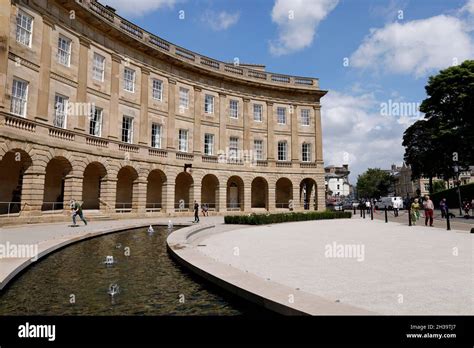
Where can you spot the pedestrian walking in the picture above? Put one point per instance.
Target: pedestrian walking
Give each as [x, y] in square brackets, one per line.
[443, 206]
[429, 209]
[415, 212]
[76, 209]
[467, 207]
[205, 209]
[196, 212]
[367, 206]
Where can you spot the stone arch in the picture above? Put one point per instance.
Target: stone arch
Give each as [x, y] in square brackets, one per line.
[93, 177]
[126, 177]
[156, 178]
[235, 193]
[13, 165]
[183, 190]
[57, 169]
[283, 192]
[308, 194]
[259, 193]
[210, 191]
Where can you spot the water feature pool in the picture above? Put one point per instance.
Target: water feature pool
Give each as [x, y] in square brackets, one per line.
[149, 282]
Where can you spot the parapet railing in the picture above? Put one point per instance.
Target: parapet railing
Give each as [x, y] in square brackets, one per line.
[21, 124]
[196, 59]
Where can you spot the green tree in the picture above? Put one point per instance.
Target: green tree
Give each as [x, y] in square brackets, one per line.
[374, 183]
[438, 185]
[447, 127]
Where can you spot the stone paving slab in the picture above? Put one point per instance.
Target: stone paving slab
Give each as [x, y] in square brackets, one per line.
[405, 270]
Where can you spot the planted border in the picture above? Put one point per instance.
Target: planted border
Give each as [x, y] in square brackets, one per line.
[265, 219]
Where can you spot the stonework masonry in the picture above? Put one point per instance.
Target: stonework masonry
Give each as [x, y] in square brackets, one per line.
[96, 109]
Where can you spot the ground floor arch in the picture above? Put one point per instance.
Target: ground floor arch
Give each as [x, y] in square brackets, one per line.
[308, 194]
[235, 193]
[210, 191]
[13, 166]
[94, 175]
[259, 193]
[183, 194]
[126, 178]
[154, 191]
[283, 193]
[54, 181]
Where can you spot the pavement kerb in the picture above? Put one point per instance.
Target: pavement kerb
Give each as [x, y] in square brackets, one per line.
[265, 293]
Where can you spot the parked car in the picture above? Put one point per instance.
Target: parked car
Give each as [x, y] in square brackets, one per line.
[389, 202]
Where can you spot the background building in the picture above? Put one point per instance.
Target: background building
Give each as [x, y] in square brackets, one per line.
[337, 181]
[95, 108]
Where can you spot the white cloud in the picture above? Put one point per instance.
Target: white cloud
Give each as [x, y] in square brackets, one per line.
[354, 128]
[416, 47]
[220, 21]
[137, 8]
[297, 22]
[469, 7]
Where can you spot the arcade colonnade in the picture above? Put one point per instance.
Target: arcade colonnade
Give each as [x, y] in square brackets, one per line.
[36, 182]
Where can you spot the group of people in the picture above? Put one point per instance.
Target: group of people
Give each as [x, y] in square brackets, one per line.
[428, 207]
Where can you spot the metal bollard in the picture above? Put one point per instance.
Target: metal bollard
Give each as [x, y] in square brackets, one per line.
[386, 217]
[354, 210]
[371, 212]
[409, 216]
[360, 208]
[448, 223]
[363, 213]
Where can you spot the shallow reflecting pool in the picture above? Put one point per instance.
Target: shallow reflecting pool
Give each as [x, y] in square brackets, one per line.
[149, 282]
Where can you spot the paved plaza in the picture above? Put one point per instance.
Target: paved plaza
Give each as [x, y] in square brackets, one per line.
[371, 266]
[401, 269]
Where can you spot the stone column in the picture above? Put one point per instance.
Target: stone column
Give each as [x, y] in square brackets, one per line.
[297, 205]
[222, 197]
[294, 134]
[172, 136]
[197, 136]
[168, 197]
[318, 135]
[247, 123]
[42, 112]
[33, 190]
[108, 192]
[247, 196]
[195, 196]
[72, 188]
[143, 131]
[139, 196]
[5, 13]
[270, 135]
[83, 73]
[222, 121]
[271, 195]
[114, 119]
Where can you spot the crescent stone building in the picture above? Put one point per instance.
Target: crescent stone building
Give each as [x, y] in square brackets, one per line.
[94, 108]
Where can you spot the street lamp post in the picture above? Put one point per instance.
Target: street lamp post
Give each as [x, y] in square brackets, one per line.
[456, 172]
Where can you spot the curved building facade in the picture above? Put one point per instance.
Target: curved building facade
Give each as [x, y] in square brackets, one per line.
[93, 107]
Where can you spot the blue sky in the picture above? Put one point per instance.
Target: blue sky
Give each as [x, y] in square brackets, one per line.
[368, 53]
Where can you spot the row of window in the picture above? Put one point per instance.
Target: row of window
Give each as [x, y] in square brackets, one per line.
[24, 32]
[19, 102]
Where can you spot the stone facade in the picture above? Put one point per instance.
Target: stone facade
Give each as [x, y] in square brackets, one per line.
[84, 58]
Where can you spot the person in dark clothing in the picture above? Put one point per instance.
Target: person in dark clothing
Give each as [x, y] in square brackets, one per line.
[443, 206]
[77, 211]
[196, 212]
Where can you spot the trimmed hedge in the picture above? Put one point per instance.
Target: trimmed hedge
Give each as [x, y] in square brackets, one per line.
[451, 195]
[265, 219]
